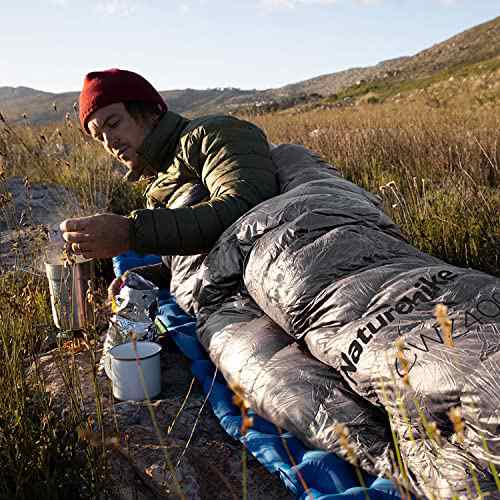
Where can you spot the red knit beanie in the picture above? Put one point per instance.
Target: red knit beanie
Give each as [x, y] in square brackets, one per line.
[101, 88]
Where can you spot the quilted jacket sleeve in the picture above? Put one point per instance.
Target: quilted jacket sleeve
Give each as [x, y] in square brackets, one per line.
[232, 159]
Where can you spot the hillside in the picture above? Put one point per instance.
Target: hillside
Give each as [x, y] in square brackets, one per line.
[39, 106]
[13, 93]
[471, 46]
[477, 44]
[469, 54]
[335, 82]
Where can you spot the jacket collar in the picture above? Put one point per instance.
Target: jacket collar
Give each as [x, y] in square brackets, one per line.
[159, 146]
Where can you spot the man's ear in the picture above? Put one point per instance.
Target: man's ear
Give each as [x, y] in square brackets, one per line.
[157, 116]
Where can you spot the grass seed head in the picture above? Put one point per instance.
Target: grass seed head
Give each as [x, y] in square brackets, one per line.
[455, 415]
[441, 313]
[133, 339]
[67, 256]
[400, 355]
[343, 434]
[90, 293]
[433, 432]
[243, 404]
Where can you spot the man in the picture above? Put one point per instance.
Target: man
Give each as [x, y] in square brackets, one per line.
[205, 173]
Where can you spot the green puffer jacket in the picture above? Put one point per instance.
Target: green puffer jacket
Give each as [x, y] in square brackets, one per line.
[226, 157]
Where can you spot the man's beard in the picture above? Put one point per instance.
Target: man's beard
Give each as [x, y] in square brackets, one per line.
[143, 171]
[132, 175]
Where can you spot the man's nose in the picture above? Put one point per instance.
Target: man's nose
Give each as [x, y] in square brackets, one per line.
[109, 140]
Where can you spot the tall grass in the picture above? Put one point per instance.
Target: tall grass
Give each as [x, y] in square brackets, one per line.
[436, 170]
[42, 452]
[65, 156]
[41, 455]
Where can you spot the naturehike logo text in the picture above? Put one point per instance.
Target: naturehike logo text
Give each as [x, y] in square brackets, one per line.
[425, 291]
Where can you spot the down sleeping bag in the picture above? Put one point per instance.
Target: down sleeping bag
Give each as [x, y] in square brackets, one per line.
[318, 308]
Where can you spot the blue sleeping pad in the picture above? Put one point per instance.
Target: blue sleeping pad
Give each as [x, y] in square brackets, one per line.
[326, 475]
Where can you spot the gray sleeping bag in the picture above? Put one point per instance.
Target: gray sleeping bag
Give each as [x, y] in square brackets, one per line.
[301, 302]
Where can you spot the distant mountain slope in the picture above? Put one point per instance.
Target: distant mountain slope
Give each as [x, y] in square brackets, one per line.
[464, 50]
[479, 43]
[13, 93]
[39, 106]
[334, 82]
[191, 101]
[473, 45]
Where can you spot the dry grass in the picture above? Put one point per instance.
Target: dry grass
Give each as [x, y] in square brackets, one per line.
[65, 156]
[437, 170]
[41, 455]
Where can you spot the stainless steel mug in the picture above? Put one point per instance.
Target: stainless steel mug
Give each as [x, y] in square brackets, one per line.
[68, 293]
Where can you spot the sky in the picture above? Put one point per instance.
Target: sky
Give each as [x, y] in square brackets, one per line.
[51, 44]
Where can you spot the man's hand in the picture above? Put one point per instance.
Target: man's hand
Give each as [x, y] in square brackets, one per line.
[97, 236]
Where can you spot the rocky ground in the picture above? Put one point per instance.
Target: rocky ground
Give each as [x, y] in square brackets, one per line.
[210, 463]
